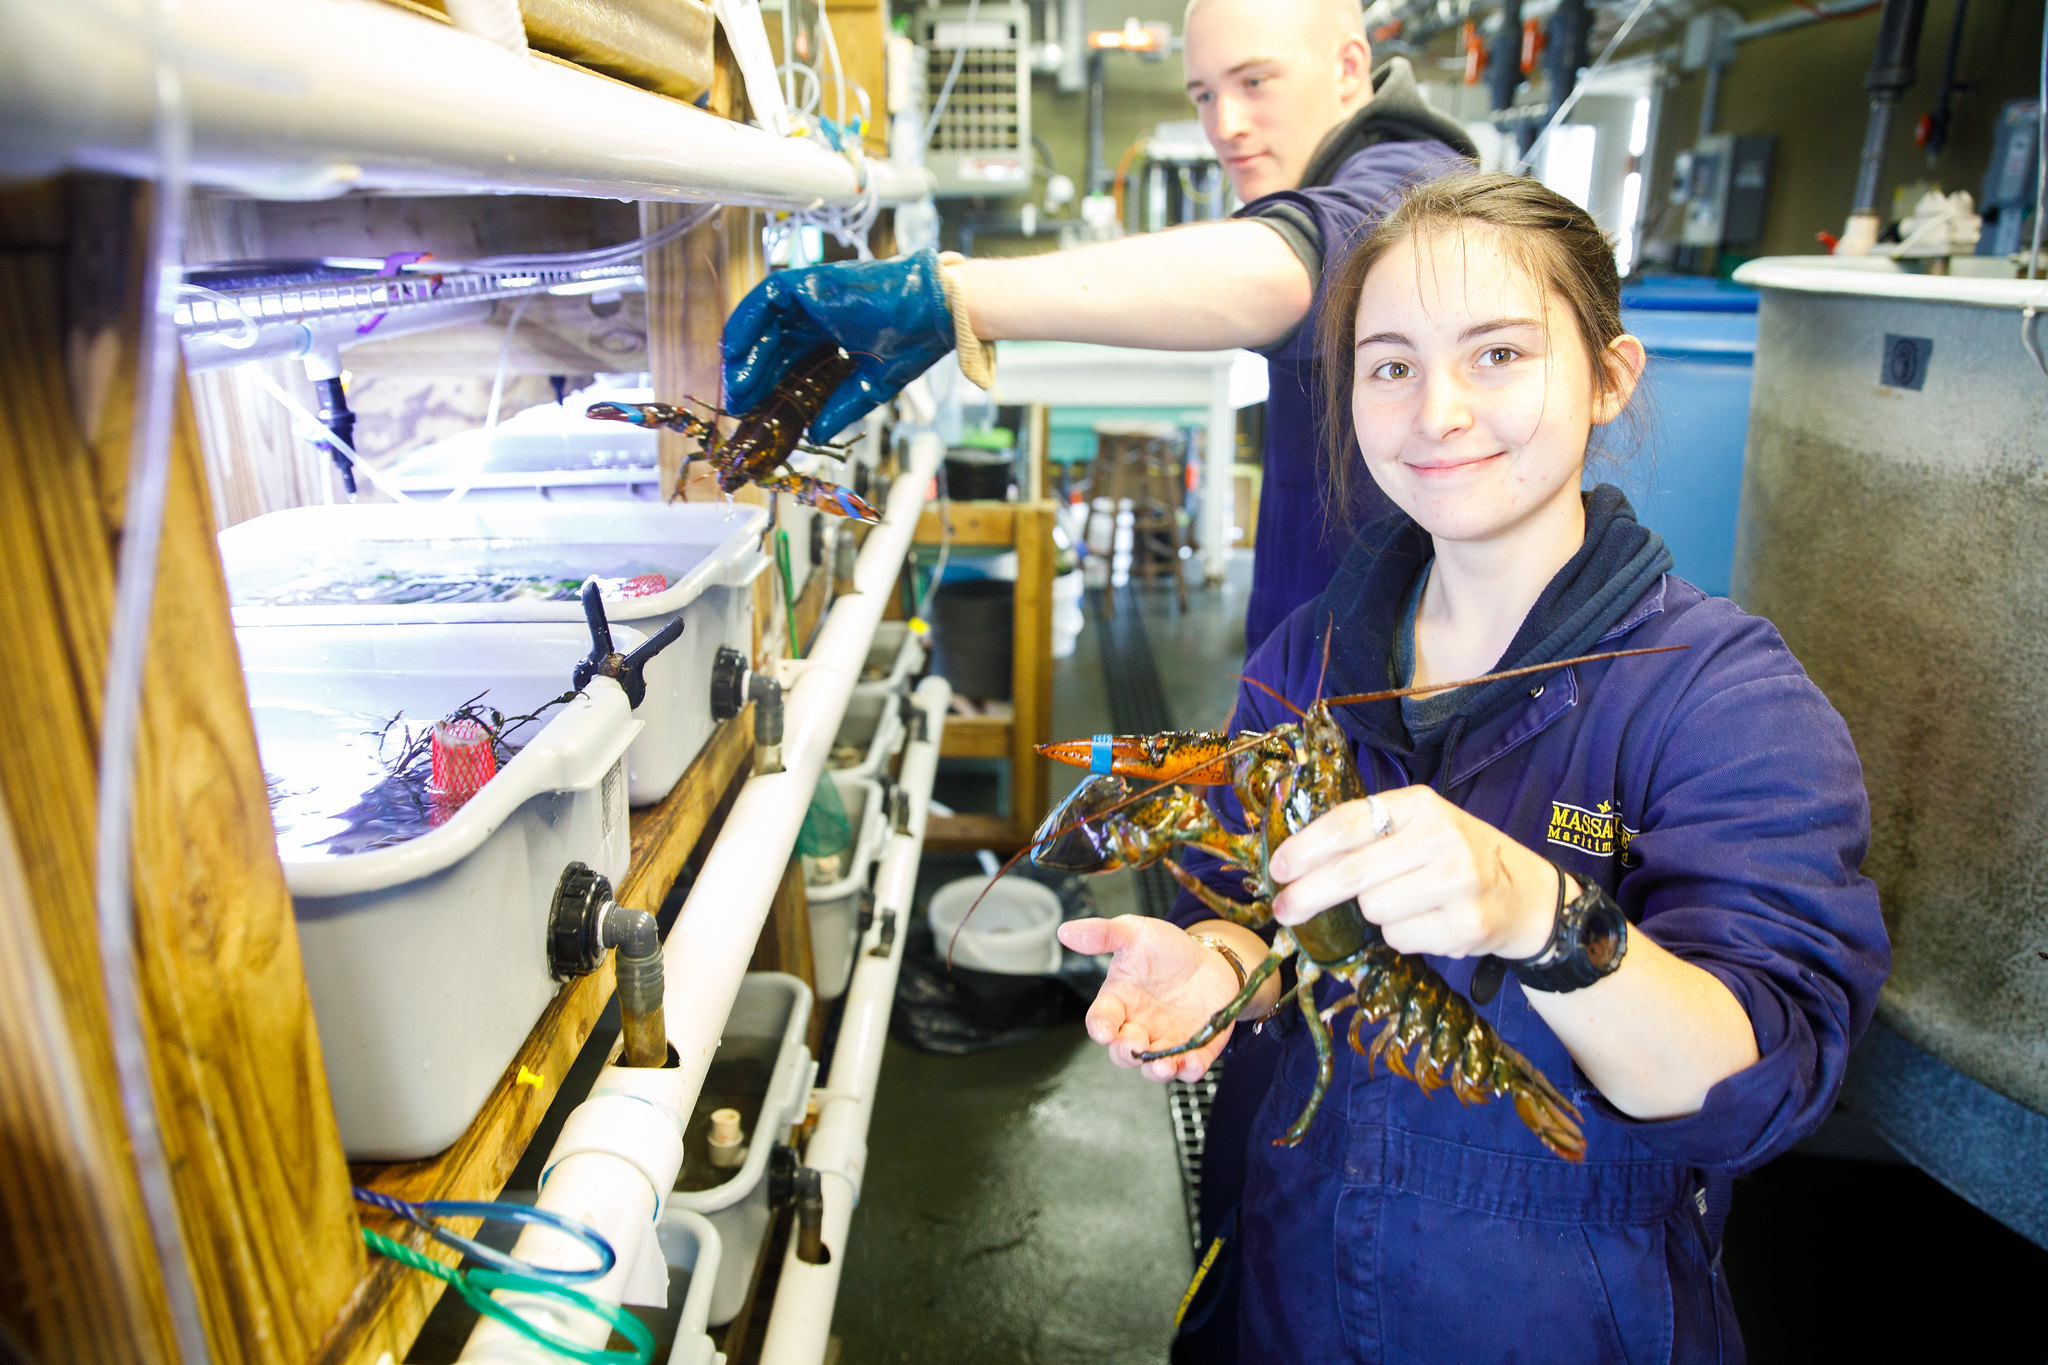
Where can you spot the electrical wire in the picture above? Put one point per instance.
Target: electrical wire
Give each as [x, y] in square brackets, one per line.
[476, 1288]
[814, 93]
[922, 616]
[149, 459]
[832, 51]
[788, 577]
[308, 420]
[931, 125]
[1571, 101]
[422, 1215]
[573, 260]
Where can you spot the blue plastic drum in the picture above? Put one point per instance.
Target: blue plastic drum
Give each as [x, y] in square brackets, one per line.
[1686, 479]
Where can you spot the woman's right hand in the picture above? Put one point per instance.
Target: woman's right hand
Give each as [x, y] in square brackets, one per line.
[1162, 987]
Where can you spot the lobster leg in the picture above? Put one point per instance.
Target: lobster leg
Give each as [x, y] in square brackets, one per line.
[1256, 915]
[826, 497]
[1319, 1034]
[1223, 1018]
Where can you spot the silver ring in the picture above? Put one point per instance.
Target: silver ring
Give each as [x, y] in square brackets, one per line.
[1382, 822]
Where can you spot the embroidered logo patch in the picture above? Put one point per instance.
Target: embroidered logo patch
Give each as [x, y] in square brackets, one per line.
[1599, 831]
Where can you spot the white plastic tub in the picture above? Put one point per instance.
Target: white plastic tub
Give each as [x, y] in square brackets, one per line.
[1012, 930]
[550, 451]
[870, 733]
[768, 1019]
[894, 657]
[427, 959]
[710, 554]
[835, 904]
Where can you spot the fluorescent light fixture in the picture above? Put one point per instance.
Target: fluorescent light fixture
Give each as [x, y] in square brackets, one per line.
[1132, 37]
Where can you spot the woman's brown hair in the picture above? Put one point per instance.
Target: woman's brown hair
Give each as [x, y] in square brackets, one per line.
[1540, 230]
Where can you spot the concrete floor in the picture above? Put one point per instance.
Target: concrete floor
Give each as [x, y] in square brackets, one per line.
[1024, 1206]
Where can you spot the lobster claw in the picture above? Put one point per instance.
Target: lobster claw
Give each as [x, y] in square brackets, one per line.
[1071, 839]
[1191, 757]
[852, 504]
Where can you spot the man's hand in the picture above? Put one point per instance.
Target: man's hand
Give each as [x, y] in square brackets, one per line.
[1162, 986]
[890, 316]
[1440, 881]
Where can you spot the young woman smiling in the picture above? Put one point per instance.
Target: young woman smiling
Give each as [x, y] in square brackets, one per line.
[1700, 816]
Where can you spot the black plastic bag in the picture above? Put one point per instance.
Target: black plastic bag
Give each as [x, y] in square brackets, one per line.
[961, 1010]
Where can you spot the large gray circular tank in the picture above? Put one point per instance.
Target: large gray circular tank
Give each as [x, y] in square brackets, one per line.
[1895, 527]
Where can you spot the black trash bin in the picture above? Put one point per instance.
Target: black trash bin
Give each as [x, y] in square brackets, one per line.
[972, 626]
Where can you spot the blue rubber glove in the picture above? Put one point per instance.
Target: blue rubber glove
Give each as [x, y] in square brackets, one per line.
[891, 316]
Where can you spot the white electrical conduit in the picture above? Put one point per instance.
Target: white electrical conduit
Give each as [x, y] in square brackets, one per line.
[149, 471]
[801, 1322]
[621, 1149]
[312, 98]
[297, 340]
[496, 20]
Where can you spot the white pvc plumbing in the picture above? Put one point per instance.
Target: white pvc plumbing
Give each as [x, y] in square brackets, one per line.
[298, 339]
[310, 98]
[496, 20]
[801, 1323]
[621, 1149]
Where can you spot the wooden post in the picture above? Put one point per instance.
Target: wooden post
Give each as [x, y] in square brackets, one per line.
[241, 1093]
[685, 314]
[1031, 665]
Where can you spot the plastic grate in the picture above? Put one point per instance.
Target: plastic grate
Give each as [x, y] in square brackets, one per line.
[1137, 706]
[1189, 1102]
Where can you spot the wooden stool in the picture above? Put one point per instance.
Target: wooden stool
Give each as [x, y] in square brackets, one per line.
[1144, 465]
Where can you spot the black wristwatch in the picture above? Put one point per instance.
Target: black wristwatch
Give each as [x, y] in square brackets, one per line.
[1588, 940]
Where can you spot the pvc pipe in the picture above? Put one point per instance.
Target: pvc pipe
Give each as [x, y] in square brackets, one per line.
[621, 1149]
[801, 1322]
[495, 20]
[311, 98]
[296, 340]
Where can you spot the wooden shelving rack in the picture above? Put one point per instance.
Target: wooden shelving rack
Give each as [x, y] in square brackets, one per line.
[270, 1231]
[1025, 527]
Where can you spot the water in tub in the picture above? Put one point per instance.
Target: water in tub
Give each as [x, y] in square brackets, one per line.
[344, 782]
[454, 572]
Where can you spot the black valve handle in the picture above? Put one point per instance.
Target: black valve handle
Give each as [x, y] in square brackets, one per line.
[627, 670]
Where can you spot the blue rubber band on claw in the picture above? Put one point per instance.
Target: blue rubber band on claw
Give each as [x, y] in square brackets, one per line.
[1099, 754]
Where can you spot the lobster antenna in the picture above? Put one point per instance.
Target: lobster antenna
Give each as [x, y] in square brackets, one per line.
[1329, 629]
[1245, 745]
[1523, 672]
[1271, 693]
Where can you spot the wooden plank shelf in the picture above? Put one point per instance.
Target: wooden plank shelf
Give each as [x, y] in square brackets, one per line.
[392, 1302]
[976, 737]
[1025, 527]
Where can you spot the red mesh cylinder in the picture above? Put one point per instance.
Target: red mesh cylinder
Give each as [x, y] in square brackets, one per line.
[463, 760]
[646, 585]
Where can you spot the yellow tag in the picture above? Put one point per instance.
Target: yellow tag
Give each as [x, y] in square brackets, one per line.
[532, 1078]
[1195, 1285]
[919, 626]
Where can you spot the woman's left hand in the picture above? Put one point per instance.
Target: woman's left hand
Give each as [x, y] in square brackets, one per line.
[1439, 881]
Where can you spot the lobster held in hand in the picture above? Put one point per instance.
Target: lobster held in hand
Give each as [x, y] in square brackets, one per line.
[762, 442]
[1143, 798]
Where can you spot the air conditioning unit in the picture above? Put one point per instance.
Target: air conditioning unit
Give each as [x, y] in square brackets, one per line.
[982, 143]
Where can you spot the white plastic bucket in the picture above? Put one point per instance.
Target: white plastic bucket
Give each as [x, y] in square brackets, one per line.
[1012, 931]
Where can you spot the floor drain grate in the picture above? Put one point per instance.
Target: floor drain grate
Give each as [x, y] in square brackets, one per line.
[1137, 706]
[1190, 1103]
